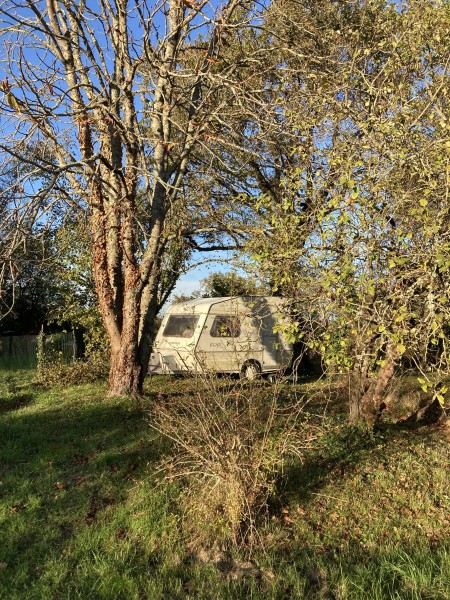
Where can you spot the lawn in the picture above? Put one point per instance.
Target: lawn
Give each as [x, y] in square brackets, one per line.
[84, 512]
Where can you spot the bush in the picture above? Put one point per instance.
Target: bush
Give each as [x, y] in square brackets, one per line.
[55, 367]
[231, 442]
[78, 372]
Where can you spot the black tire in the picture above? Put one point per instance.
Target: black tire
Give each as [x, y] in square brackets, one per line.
[250, 371]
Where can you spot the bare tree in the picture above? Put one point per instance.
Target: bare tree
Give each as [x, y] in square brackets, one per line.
[27, 215]
[121, 93]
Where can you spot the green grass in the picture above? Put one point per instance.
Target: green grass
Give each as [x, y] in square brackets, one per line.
[372, 515]
[82, 514]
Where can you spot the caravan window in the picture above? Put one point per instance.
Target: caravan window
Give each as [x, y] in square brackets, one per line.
[226, 326]
[181, 326]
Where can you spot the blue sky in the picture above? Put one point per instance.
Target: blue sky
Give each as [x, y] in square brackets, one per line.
[218, 261]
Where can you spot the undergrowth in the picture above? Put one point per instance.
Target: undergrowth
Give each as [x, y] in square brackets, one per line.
[59, 372]
[232, 441]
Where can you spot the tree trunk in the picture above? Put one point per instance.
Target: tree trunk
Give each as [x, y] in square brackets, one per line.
[354, 417]
[358, 387]
[124, 374]
[367, 395]
[147, 335]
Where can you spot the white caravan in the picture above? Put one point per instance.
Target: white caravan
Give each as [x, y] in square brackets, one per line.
[222, 335]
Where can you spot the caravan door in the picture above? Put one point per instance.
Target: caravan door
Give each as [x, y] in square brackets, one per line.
[227, 341]
[216, 349]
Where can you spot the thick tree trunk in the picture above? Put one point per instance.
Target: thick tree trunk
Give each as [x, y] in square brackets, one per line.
[131, 352]
[124, 374]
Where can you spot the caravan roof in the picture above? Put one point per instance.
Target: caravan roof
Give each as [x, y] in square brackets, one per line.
[202, 305]
[203, 301]
[197, 306]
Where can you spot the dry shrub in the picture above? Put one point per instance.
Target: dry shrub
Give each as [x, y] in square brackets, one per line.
[231, 442]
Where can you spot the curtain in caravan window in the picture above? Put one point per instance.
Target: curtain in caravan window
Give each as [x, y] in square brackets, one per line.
[181, 326]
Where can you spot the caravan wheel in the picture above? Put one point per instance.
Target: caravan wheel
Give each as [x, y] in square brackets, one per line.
[250, 371]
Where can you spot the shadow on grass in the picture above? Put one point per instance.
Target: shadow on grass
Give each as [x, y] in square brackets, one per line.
[15, 402]
[345, 450]
[337, 453]
[72, 439]
[64, 467]
[357, 530]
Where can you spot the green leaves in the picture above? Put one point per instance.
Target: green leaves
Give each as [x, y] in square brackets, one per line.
[369, 259]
